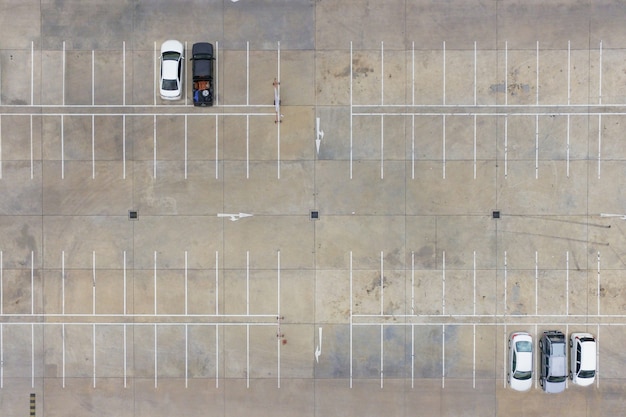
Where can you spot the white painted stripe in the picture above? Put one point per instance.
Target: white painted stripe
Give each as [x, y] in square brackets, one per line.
[124, 146]
[351, 318]
[443, 284]
[217, 152]
[154, 140]
[506, 145]
[412, 282]
[443, 146]
[382, 73]
[248, 356]
[505, 289]
[155, 283]
[568, 145]
[443, 356]
[351, 114]
[598, 287]
[506, 73]
[217, 357]
[93, 281]
[1, 284]
[93, 343]
[156, 83]
[93, 147]
[124, 359]
[413, 73]
[474, 146]
[247, 73]
[124, 267]
[62, 151]
[569, 73]
[536, 146]
[475, 70]
[412, 356]
[600, 76]
[537, 82]
[185, 145]
[279, 318]
[32, 355]
[1, 356]
[474, 358]
[217, 285]
[567, 283]
[186, 356]
[412, 146]
[32, 73]
[536, 283]
[444, 72]
[247, 146]
[382, 146]
[217, 74]
[63, 77]
[156, 359]
[32, 282]
[247, 283]
[382, 355]
[382, 284]
[186, 292]
[63, 282]
[93, 77]
[599, 143]
[474, 276]
[31, 150]
[0, 146]
[123, 73]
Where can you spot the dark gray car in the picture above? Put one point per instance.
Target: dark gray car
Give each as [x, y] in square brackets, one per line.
[553, 366]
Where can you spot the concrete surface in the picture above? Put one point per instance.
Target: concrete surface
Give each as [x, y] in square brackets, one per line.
[399, 299]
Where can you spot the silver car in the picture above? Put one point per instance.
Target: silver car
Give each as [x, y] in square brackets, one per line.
[553, 366]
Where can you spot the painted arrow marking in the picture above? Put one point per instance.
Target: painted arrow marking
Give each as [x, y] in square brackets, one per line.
[234, 216]
[318, 348]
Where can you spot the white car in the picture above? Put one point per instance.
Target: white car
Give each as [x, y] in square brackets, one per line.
[520, 374]
[172, 71]
[582, 358]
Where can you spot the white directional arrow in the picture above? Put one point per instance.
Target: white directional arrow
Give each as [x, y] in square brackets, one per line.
[318, 348]
[319, 135]
[621, 216]
[234, 217]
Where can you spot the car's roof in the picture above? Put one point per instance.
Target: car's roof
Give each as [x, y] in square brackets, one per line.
[172, 45]
[170, 70]
[587, 352]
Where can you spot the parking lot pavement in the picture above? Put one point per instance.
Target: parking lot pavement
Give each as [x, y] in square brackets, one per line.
[379, 196]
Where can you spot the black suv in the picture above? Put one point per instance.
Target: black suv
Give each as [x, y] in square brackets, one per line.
[202, 71]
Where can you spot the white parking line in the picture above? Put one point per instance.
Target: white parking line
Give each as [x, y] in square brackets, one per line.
[124, 268]
[217, 357]
[184, 71]
[569, 73]
[155, 283]
[412, 356]
[413, 73]
[63, 77]
[443, 356]
[443, 146]
[186, 293]
[247, 356]
[156, 359]
[475, 70]
[185, 146]
[598, 356]
[124, 147]
[536, 283]
[93, 338]
[93, 148]
[62, 150]
[217, 152]
[505, 338]
[278, 317]
[599, 142]
[186, 356]
[537, 82]
[382, 146]
[444, 73]
[32, 355]
[62, 282]
[1, 286]
[31, 149]
[93, 278]
[32, 73]
[474, 358]
[247, 146]
[123, 73]
[443, 284]
[567, 283]
[474, 146]
[382, 355]
[598, 286]
[412, 282]
[217, 292]
[156, 83]
[568, 145]
[474, 277]
[1, 356]
[413, 147]
[247, 283]
[600, 76]
[351, 115]
[506, 76]
[124, 359]
[93, 77]
[537, 146]
[63, 354]
[0, 147]
[382, 284]
[217, 75]
[247, 73]
[351, 318]
[154, 135]
[382, 73]
[32, 282]
[505, 289]
[506, 145]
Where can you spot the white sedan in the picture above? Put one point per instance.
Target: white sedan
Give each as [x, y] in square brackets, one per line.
[520, 361]
[172, 74]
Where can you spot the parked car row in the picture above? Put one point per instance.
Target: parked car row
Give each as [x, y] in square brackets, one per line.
[173, 72]
[553, 360]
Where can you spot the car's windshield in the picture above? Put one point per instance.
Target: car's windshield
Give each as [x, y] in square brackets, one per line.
[556, 379]
[522, 375]
[171, 56]
[170, 85]
[524, 346]
[586, 374]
